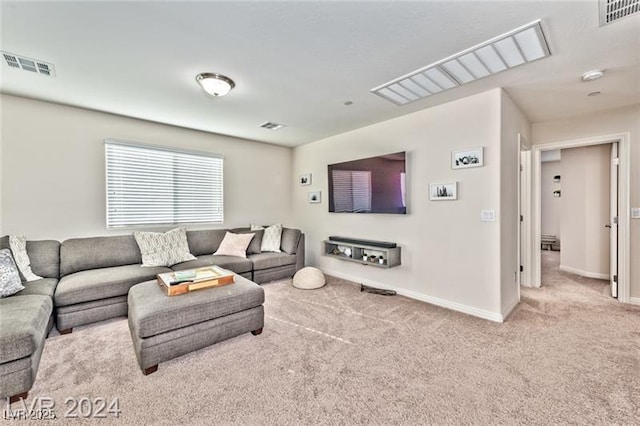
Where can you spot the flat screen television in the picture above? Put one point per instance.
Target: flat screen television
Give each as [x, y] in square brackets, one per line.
[369, 185]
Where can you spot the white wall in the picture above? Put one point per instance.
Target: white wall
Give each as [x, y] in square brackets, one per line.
[448, 254]
[512, 123]
[585, 210]
[551, 206]
[626, 119]
[52, 169]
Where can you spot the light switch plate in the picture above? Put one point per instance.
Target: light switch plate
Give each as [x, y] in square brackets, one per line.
[488, 215]
[635, 213]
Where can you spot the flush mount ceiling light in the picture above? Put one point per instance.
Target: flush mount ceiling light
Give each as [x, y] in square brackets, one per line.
[592, 75]
[517, 47]
[215, 84]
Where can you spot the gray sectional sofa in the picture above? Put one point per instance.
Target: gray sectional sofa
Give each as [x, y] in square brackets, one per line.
[86, 280]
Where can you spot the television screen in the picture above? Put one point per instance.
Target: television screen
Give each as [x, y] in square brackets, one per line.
[369, 185]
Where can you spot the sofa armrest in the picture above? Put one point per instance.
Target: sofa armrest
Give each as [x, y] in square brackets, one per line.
[300, 253]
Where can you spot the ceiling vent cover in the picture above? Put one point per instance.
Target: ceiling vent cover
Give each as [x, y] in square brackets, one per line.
[614, 10]
[270, 125]
[29, 64]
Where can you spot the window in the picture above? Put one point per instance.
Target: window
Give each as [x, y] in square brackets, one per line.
[149, 185]
[351, 191]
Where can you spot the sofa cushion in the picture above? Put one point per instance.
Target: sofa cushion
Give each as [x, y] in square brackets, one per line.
[81, 254]
[24, 323]
[290, 239]
[236, 264]
[164, 248]
[205, 241]
[271, 260]
[43, 287]
[96, 284]
[234, 245]
[44, 256]
[10, 282]
[256, 241]
[151, 312]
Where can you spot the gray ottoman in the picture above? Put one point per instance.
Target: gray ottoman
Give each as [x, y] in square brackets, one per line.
[163, 327]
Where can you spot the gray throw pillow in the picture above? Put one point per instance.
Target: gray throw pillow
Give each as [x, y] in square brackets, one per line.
[9, 278]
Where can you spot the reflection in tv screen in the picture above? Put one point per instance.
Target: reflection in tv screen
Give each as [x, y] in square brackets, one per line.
[369, 185]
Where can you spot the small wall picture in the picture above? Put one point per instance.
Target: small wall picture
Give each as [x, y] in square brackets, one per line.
[314, 197]
[467, 158]
[305, 179]
[443, 191]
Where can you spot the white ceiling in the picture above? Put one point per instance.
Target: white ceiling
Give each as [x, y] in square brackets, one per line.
[296, 63]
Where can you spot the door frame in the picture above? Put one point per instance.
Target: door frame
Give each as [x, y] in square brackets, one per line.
[524, 215]
[624, 178]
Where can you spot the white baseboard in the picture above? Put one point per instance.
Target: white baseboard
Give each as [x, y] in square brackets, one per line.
[459, 307]
[582, 273]
[510, 309]
[634, 300]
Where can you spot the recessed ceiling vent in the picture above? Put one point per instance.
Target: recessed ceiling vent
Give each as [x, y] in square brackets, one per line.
[29, 64]
[613, 10]
[270, 125]
[517, 47]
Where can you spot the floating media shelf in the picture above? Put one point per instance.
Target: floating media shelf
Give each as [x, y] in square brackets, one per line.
[354, 252]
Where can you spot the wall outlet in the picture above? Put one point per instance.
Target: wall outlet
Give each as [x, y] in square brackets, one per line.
[635, 213]
[488, 215]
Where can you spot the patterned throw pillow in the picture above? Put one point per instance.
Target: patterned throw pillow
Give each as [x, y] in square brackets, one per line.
[271, 238]
[9, 278]
[234, 245]
[164, 249]
[18, 245]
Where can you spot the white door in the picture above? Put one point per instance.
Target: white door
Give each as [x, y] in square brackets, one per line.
[613, 223]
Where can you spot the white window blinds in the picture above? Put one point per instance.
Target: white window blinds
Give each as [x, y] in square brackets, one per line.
[351, 191]
[156, 186]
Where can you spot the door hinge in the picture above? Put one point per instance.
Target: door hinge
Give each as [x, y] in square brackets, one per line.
[616, 161]
[615, 278]
[614, 220]
[521, 218]
[521, 268]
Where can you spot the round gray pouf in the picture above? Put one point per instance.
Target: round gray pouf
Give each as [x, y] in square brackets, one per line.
[308, 278]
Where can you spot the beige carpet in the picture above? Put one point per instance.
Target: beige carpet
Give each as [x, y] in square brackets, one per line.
[568, 354]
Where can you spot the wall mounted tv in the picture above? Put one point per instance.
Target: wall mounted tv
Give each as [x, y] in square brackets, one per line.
[369, 185]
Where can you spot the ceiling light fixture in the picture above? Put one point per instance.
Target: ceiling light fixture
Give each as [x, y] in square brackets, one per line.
[215, 84]
[592, 75]
[271, 125]
[514, 48]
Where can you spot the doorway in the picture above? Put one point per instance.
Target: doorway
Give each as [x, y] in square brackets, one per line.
[619, 225]
[579, 207]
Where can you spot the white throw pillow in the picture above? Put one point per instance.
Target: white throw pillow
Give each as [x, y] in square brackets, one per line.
[234, 245]
[164, 249]
[18, 245]
[9, 278]
[271, 238]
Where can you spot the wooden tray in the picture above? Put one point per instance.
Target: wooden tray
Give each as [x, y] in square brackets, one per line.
[207, 277]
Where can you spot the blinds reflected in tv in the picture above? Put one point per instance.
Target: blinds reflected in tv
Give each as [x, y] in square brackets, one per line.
[351, 191]
[158, 186]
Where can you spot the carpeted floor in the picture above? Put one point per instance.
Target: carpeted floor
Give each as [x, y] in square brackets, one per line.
[568, 354]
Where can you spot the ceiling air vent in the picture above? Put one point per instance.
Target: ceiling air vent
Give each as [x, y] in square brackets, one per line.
[613, 10]
[270, 125]
[29, 64]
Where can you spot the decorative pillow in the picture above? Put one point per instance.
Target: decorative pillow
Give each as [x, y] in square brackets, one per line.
[256, 241]
[18, 245]
[164, 249]
[271, 238]
[234, 245]
[9, 278]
